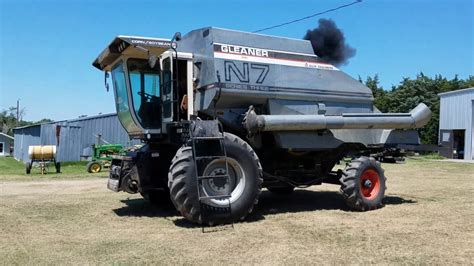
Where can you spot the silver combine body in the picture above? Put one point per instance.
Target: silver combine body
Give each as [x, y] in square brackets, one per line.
[256, 111]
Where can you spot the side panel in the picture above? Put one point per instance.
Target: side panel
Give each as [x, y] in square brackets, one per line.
[190, 89]
[331, 139]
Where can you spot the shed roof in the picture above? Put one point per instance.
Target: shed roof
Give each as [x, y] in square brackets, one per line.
[8, 136]
[70, 120]
[456, 92]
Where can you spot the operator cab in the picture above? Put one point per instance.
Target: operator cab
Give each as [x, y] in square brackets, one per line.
[151, 83]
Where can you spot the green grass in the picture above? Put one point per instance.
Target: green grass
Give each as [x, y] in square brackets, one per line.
[13, 170]
[10, 166]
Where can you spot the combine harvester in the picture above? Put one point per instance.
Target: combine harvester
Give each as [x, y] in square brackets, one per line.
[224, 114]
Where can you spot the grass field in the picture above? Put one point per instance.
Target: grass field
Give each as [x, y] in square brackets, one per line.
[13, 170]
[428, 219]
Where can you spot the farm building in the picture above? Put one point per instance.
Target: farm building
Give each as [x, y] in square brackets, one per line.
[456, 124]
[6, 144]
[74, 138]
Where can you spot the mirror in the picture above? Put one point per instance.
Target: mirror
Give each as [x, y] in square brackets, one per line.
[106, 75]
[176, 38]
[152, 60]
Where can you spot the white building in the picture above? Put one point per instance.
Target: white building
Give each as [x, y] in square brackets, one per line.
[456, 124]
[6, 144]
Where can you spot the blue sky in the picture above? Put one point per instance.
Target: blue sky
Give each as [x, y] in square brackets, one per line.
[46, 47]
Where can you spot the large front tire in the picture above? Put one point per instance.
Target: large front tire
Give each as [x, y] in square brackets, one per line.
[246, 182]
[363, 184]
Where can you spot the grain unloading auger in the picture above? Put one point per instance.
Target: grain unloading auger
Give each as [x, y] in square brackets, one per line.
[224, 114]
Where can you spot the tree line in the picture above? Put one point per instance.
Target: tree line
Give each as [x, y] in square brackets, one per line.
[410, 92]
[9, 120]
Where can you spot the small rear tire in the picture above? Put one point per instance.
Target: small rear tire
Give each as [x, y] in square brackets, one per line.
[363, 184]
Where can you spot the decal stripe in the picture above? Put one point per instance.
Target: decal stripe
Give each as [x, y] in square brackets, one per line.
[240, 86]
[278, 61]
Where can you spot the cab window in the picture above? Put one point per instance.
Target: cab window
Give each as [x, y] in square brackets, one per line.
[145, 90]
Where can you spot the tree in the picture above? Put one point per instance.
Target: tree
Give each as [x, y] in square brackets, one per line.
[8, 120]
[380, 95]
[410, 92]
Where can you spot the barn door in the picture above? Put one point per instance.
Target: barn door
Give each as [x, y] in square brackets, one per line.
[446, 141]
[70, 144]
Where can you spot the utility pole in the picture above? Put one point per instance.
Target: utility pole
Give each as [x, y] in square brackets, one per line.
[18, 112]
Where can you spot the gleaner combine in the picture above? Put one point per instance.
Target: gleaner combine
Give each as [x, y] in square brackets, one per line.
[224, 114]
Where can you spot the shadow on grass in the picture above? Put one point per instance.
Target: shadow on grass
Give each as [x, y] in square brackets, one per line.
[142, 207]
[299, 201]
[269, 204]
[395, 200]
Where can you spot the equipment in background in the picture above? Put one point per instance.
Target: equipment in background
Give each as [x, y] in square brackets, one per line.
[42, 156]
[102, 156]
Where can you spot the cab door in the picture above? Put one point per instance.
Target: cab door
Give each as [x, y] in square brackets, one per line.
[167, 89]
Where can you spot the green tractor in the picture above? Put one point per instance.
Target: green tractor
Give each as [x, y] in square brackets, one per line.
[102, 156]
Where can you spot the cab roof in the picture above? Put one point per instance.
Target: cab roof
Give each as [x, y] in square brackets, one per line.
[130, 45]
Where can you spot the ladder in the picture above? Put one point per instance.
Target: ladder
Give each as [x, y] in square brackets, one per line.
[205, 150]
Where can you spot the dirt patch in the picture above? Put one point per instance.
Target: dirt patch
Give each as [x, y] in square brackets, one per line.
[428, 218]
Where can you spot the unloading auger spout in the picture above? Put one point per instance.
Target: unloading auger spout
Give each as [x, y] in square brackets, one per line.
[416, 118]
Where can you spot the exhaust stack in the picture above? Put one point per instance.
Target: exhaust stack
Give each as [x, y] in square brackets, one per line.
[418, 117]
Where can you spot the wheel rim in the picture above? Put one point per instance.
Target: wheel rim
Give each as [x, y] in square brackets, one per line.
[95, 168]
[370, 184]
[219, 186]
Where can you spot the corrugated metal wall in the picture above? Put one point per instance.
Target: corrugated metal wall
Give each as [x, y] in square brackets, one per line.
[108, 127]
[456, 112]
[25, 137]
[76, 136]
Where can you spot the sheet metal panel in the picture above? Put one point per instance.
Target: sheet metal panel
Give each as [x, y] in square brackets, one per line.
[75, 139]
[24, 137]
[456, 112]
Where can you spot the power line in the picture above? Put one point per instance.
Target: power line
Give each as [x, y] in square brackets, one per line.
[307, 17]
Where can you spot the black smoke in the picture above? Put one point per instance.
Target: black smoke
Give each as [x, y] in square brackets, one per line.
[329, 43]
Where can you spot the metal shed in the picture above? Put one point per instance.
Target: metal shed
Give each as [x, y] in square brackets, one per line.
[456, 124]
[6, 144]
[74, 138]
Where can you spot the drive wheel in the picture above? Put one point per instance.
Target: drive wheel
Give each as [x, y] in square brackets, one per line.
[363, 184]
[283, 190]
[244, 184]
[94, 167]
